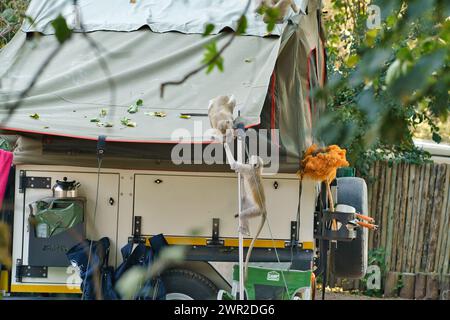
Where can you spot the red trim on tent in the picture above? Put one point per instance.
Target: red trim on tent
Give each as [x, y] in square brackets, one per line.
[324, 65]
[308, 85]
[273, 110]
[273, 107]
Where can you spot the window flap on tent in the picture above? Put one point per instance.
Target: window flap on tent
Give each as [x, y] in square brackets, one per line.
[161, 16]
[69, 96]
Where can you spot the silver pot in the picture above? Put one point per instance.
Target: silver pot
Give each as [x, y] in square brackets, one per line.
[65, 189]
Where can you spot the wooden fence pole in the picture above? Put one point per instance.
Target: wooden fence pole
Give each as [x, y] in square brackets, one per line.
[415, 220]
[445, 287]
[391, 284]
[438, 199]
[432, 287]
[420, 287]
[408, 217]
[398, 195]
[407, 290]
[423, 211]
[402, 213]
[385, 209]
[391, 217]
[427, 225]
[444, 233]
[379, 206]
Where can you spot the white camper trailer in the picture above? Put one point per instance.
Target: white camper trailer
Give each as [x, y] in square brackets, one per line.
[154, 177]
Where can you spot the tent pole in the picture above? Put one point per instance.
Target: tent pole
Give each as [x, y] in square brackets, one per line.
[240, 150]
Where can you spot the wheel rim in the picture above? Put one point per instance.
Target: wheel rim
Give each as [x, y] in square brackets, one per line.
[178, 296]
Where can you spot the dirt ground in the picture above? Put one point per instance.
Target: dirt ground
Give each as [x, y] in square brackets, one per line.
[348, 296]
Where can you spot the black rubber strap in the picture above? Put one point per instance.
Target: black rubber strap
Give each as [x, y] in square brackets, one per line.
[101, 146]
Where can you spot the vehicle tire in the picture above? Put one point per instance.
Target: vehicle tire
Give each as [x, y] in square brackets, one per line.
[183, 284]
[349, 259]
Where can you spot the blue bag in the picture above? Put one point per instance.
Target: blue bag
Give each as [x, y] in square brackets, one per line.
[152, 289]
[96, 274]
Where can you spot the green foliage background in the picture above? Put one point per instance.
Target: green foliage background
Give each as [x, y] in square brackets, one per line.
[386, 82]
[11, 16]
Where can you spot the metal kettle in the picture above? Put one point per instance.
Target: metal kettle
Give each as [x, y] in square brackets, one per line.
[65, 189]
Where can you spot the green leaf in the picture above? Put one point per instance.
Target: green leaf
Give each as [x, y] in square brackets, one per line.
[419, 75]
[10, 16]
[242, 25]
[396, 69]
[131, 282]
[436, 137]
[127, 122]
[158, 114]
[208, 29]
[105, 124]
[62, 31]
[219, 63]
[133, 109]
[270, 26]
[103, 113]
[352, 60]
[95, 120]
[209, 55]
[34, 116]
[271, 17]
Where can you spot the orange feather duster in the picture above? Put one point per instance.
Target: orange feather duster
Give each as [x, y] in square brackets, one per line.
[321, 164]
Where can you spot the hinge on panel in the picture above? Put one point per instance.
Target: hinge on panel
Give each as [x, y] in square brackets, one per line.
[33, 182]
[215, 239]
[30, 271]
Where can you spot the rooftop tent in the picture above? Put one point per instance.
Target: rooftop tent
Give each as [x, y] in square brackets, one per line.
[271, 76]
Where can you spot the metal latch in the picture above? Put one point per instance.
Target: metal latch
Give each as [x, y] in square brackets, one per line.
[293, 241]
[137, 226]
[215, 240]
[33, 182]
[30, 271]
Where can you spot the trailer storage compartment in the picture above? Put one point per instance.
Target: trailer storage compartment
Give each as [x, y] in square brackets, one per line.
[41, 261]
[185, 205]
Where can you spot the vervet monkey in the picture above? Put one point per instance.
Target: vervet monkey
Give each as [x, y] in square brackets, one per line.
[253, 200]
[220, 112]
[281, 5]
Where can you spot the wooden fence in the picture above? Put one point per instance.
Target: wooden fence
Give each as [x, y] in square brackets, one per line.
[410, 203]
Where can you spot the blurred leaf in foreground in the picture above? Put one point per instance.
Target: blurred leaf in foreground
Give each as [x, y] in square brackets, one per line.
[5, 257]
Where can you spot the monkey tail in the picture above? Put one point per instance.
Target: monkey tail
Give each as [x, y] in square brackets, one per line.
[252, 243]
[232, 100]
